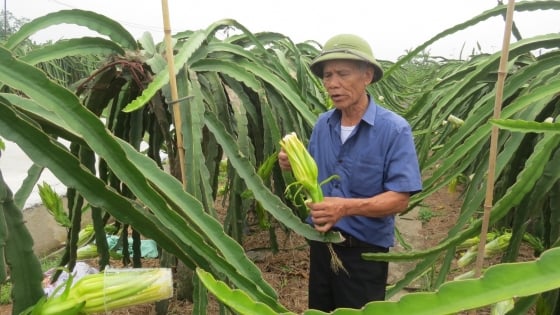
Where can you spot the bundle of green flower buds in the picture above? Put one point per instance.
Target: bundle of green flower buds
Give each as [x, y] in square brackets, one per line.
[108, 291]
[303, 166]
[306, 174]
[53, 204]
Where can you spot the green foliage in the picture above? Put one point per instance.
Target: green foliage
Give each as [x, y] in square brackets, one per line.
[425, 214]
[526, 126]
[238, 96]
[16, 253]
[60, 161]
[500, 282]
[47, 263]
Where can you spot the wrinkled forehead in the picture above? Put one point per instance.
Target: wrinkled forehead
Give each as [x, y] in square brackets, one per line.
[340, 64]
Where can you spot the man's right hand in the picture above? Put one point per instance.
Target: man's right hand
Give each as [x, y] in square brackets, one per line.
[283, 160]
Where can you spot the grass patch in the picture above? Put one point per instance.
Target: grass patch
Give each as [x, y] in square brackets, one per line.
[5, 291]
[425, 214]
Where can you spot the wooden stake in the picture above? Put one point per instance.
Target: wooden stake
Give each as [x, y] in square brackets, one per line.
[502, 72]
[173, 86]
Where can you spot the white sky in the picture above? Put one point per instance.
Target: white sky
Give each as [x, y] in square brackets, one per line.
[391, 27]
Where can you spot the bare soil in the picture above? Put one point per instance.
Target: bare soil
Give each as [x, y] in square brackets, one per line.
[287, 269]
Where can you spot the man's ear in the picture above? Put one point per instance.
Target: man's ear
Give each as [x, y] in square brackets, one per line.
[370, 73]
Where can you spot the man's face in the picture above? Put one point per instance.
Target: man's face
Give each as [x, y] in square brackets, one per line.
[346, 81]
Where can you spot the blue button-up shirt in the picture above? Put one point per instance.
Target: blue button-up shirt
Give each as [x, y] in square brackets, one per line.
[378, 156]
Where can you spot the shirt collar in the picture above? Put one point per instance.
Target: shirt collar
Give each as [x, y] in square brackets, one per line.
[368, 117]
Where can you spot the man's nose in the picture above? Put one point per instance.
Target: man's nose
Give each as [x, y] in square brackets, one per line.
[331, 81]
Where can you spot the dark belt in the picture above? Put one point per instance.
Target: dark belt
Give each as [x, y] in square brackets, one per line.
[351, 241]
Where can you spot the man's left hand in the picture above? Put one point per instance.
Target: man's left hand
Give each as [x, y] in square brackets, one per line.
[326, 213]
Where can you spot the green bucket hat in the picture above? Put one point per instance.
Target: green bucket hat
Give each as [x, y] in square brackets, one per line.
[350, 47]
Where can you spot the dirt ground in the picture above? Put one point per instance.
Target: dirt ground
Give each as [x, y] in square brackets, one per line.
[287, 270]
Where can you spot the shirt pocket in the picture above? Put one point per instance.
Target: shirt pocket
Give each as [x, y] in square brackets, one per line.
[366, 179]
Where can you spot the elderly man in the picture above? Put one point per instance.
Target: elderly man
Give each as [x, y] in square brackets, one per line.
[372, 152]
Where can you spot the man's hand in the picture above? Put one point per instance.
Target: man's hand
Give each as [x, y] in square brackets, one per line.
[283, 161]
[326, 213]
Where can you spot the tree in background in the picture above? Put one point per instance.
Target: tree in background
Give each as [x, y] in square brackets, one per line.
[10, 24]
